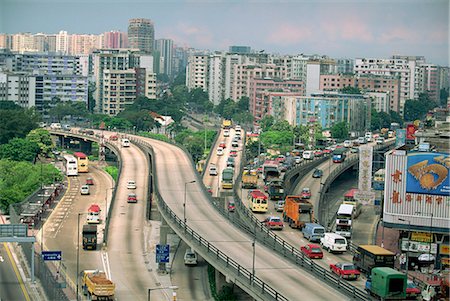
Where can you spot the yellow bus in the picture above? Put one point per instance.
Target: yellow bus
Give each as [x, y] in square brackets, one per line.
[82, 161]
[257, 201]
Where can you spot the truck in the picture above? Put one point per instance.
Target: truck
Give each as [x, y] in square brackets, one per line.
[93, 216]
[227, 178]
[276, 190]
[226, 124]
[368, 257]
[271, 171]
[249, 181]
[297, 211]
[97, 286]
[387, 284]
[89, 235]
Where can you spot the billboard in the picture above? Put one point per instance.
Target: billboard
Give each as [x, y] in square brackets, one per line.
[400, 137]
[410, 131]
[428, 173]
[365, 194]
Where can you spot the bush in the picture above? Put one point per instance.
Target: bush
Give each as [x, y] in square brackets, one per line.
[113, 171]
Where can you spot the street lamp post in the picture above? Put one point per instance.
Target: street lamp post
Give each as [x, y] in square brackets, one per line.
[106, 200]
[78, 251]
[174, 287]
[184, 203]
[407, 245]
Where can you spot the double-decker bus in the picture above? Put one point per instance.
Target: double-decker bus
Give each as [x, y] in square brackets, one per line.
[257, 201]
[349, 196]
[70, 165]
[378, 179]
[83, 161]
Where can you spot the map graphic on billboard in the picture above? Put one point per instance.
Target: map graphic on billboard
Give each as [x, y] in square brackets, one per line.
[428, 173]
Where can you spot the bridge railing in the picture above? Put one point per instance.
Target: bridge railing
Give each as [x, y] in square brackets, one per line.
[242, 276]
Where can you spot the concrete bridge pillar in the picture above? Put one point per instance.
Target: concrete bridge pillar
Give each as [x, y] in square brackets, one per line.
[163, 231]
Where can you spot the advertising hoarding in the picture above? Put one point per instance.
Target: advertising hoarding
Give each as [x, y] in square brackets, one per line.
[410, 131]
[428, 173]
[364, 193]
[400, 137]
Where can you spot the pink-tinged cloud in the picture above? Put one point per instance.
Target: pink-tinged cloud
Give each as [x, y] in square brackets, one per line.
[188, 34]
[288, 34]
[399, 34]
[348, 29]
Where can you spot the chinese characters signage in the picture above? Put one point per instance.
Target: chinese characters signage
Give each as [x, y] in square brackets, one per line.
[365, 193]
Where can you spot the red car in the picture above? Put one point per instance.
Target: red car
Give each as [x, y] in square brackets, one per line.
[233, 153]
[209, 189]
[412, 291]
[306, 193]
[222, 145]
[326, 151]
[113, 137]
[273, 223]
[345, 270]
[132, 198]
[312, 251]
[231, 206]
[318, 153]
[89, 181]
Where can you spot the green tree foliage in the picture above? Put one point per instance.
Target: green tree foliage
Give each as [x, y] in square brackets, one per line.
[19, 149]
[380, 120]
[162, 77]
[15, 121]
[180, 80]
[271, 139]
[42, 138]
[417, 109]
[63, 109]
[281, 126]
[443, 96]
[396, 117]
[194, 142]
[20, 179]
[266, 122]
[91, 99]
[199, 101]
[340, 130]
[350, 90]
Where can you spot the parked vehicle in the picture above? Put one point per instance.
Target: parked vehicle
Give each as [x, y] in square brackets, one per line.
[312, 251]
[297, 211]
[334, 242]
[97, 286]
[276, 190]
[89, 235]
[345, 270]
[368, 257]
[249, 181]
[387, 284]
[190, 257]
[313, 232]
[273, 223]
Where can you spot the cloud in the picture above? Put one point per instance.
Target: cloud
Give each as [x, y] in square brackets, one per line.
[188, 34]
[348, 29]
[399, 34]
[288, 34]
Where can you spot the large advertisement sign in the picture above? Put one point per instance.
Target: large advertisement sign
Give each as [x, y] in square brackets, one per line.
[410, 131]
[364, 193]
[428, 174]
[400, 138]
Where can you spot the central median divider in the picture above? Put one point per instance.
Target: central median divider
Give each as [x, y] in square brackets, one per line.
[238, 274]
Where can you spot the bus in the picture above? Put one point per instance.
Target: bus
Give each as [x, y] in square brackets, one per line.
[378, 179]
[70, 165]
[339, 155]
[83, 161]
[257, 201]
[344, 218]
[227, 178]
[349, 196]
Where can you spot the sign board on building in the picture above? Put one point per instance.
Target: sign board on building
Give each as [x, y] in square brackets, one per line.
[421, 236]
[400, 137]
[444, 249]
[410, 131]
[365, 194]
[14, 230]
[428, 173]
[51, 255]
[417, 246]
[162, 253]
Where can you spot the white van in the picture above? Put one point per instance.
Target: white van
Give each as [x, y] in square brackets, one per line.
[334, 242]
[84, 189]
[55, 126]
[347, 143]
[131, 184]
[308, 155]
[125, 142]
[190, 257]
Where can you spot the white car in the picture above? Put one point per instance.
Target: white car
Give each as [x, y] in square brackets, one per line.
[131, 184]
[219, 151]
[190, 257]
[380, 140]
[226, 133]
[347, 143]
[238, 128]
[213, 170]
[234, 144]
[84, 189]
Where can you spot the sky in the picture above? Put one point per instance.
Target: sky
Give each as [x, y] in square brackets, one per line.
[337, 28]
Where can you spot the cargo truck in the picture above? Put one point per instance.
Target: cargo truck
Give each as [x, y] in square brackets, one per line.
[89, 235]
[97, 286]
[227, 178]
[368, 257]
[387, 284]
[276, 190]
[297, 211]
[249, 181]
[226, 124]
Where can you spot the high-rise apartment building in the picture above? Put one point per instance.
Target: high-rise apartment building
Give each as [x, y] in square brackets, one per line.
[197, 72]
[141, 35]
[62, 42]
[215, 78]
[165, 53]
[115, 39]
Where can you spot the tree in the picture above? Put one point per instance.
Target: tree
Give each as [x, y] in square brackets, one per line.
[350, 90]
[180, 80]
[15, 121]
[417, 109]
[443, 97]
[91, 99]
[19, 149]
[340, 130]
[42, 138]
[266, 122]
[281, 126]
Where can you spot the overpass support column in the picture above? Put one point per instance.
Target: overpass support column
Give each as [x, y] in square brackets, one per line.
[86, 147]
[221, 281]
[163, 231]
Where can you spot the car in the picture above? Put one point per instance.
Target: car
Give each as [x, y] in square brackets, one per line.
[237, 128]
[233, 153]
[318, 153]
[226, 133]
[131, 184]
[230, 162]
[412, 291]
[89, 181]
[213, 170]
[113, 137]
[89, 132]
[312, 251]
[354, 150]
[222, 144]
[298, 159]
[327, 152]
[132, 198]
[231, 206]
[273, 223]
[234, 144]
[380, 140]
[284, 167]
[318, 173]
[279, 206]
[345, 270]
[237, 137]
[66, 127]
[347, 143]
[190, 257]
[280, 158]
[219, 151]
[209, 189]
[84, 190]
[306, 193]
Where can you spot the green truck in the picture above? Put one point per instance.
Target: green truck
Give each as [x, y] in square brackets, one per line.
[276, 190]
[387, 284]
[89, 237]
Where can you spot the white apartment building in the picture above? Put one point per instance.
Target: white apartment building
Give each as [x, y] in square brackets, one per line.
[62, 42]
[215, 78]
[231, 60]
[244, 73]
[380, 101]
[197, 72]
[19, 88]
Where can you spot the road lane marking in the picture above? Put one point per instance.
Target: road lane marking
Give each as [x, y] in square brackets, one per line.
[16, 271]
